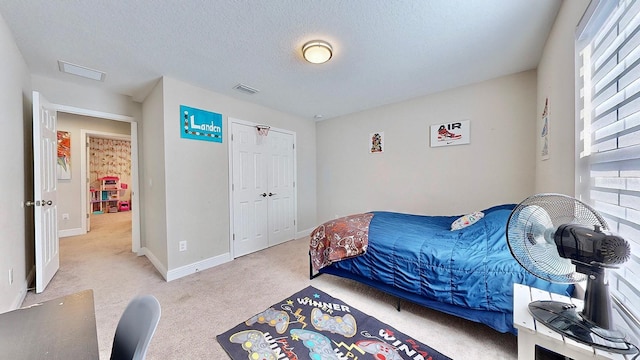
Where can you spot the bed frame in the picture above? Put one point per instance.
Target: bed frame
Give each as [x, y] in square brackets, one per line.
[467, 314]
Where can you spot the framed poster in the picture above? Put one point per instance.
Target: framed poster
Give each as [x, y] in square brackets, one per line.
[64, 156]
[376, 142]
[453, 133]
[544, 134]
[200, 124]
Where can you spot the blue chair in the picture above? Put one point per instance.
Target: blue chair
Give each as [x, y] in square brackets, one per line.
[136, 328]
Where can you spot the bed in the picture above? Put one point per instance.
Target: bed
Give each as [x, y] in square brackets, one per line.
[468, 272]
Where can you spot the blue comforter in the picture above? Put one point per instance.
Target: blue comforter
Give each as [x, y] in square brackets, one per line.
[471, 268]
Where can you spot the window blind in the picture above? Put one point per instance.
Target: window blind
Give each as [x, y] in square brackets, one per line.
[608, 121]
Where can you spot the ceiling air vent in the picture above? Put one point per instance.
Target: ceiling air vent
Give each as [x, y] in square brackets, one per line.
[246, 89]
[85, 72]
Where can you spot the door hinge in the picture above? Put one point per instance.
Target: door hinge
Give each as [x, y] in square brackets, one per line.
[231, 137]
[294, 146]
[233, 237]
[87, 215]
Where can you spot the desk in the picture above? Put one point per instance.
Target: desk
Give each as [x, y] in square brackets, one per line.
[63, 328]
[532, 333]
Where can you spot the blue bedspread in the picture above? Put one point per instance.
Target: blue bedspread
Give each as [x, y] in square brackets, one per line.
[471, 268]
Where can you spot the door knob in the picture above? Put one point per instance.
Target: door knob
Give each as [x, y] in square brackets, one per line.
[38, 203]
[271, 194]
[263, 194]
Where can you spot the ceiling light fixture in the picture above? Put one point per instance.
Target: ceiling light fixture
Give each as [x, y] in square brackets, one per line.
[78, 70]
[317, 51]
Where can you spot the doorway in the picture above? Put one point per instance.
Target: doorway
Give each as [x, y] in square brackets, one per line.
[90, 120]
[108, 175]
[263, 194]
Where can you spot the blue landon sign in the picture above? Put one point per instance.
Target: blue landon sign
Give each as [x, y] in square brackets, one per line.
[200, 124]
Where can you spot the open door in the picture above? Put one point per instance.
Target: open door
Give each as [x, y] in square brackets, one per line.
[87, 158]
[45, 147]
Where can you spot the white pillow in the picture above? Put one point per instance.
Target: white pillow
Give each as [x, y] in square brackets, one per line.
[466, 220]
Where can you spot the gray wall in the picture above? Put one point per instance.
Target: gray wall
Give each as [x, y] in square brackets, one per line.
[410, 176]
[152, 180]
[16, 244]
[192, 182]
[556, 81]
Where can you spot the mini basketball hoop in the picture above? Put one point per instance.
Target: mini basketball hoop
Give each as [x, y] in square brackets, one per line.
[263, 130]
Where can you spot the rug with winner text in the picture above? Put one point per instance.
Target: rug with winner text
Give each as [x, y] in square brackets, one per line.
[313, 325]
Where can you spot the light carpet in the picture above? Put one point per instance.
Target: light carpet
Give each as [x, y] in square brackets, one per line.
[198, 307]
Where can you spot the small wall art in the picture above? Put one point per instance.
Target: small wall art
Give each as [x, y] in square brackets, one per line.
[64, 156]
[453, 133]
[376, 142]
[544, 134]
[200, 124]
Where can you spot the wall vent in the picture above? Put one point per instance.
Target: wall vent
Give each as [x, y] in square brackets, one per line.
[246, 89]
[78, 70]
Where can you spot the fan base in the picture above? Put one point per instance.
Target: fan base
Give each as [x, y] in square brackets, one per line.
[565, 319]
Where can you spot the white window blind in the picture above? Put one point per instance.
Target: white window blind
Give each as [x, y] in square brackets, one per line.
[608, 154]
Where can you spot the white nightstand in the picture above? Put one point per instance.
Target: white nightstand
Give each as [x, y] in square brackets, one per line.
[532, 333]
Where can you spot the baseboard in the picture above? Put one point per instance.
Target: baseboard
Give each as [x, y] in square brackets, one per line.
[198, 266]
[19, 300]
[303, 233]
[70, 232]
[183, 271]
[154, 261]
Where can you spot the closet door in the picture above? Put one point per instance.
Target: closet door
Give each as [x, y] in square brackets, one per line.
[281, 191]
[249, 191]
[263, 194]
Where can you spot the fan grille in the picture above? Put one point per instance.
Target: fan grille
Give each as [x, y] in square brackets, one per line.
[531, 228]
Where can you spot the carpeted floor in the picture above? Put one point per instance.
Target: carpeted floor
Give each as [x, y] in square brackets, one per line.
[198, 307]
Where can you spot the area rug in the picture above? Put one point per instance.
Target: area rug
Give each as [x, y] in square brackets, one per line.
[313, 325]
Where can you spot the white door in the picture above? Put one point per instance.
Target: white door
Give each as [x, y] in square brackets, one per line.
[263, 196]
[280, 183]
[87, 159]
[45, 145]
[249, 191]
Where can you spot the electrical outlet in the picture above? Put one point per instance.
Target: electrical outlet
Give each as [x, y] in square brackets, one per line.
[182, 246]
[10, 276]
[65, 216]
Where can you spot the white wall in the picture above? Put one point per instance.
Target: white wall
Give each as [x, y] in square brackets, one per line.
[152, 180]
[70, 191]
[556, 80]
[86, 96]
[16, 245]
[497, 167]
[195, 175]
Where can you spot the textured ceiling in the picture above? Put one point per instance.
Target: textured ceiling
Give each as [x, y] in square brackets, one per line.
[385, 51]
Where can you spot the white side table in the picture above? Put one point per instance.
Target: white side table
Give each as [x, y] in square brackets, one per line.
[532, 333]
